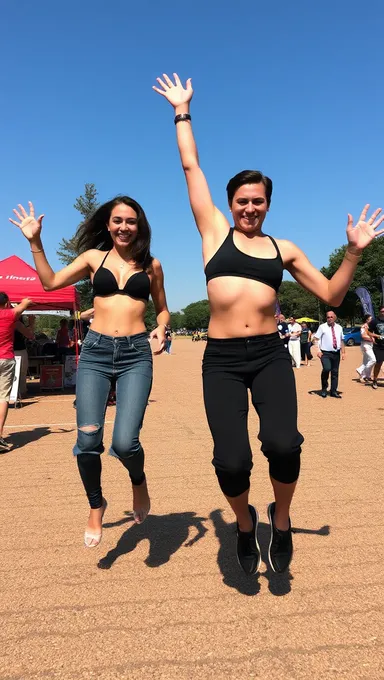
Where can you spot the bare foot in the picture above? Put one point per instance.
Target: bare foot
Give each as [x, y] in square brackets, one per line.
[141, 502]
[93, 532]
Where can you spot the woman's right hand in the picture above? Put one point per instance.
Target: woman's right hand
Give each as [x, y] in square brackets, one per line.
[176, 94]
[29, 225]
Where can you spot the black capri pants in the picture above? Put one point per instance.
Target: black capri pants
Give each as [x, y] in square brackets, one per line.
[263, 365]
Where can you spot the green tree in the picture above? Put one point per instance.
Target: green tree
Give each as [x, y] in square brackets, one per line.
[177, 320]
[368, 272]
[196, 315]
[68, 250]
[150, 316]
[297, 302]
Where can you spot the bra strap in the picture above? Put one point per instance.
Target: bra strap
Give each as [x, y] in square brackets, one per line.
[276, 246]
[104, 258]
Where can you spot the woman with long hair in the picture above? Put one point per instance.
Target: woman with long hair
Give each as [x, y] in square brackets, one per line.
[364, 371]
[114, 246]
[244, 269]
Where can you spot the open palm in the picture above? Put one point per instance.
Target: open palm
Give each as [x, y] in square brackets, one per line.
[364, 232]
[175, 92]
[29, 225]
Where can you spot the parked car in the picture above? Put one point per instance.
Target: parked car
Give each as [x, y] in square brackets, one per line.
[352, 336]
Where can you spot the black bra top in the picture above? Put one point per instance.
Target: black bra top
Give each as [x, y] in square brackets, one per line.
[104, 283]
[230, 261]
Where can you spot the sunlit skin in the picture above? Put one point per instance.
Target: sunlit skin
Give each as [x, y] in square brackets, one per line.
[233, 298]
[113, 314]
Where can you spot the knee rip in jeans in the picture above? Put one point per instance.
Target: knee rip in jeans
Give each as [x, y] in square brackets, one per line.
[89, 429]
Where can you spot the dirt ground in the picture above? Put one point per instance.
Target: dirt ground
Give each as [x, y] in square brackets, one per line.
[167, 599]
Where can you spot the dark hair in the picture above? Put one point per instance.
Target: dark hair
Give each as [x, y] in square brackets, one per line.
[366, 317]
[4, 299]
[93, 233]
[249, 177]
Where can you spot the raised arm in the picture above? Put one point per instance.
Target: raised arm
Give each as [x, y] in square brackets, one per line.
[332, 291]
[208, 218]
[31, 228]
[21, 307]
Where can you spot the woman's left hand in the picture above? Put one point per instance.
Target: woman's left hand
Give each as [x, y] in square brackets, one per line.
[360, 236]
[158, 333]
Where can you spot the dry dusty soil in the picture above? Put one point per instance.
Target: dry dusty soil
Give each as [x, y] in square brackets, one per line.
[167, 599]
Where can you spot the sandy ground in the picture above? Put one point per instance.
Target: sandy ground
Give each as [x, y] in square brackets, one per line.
[167, 599]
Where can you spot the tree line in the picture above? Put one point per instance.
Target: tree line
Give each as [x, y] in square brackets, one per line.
[293, 299]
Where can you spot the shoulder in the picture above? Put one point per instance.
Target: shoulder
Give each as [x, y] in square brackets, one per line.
[286, 247]
[7, 314]
[156, 267]
[93, 256]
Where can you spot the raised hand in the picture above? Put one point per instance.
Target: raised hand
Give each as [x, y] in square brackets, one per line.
[361, 235]
[29, 225]
[174, 92]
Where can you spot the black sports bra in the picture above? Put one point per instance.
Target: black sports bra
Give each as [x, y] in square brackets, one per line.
[230, 261]
[104, 283]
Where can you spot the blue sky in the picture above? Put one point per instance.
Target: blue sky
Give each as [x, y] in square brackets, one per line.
[293, 89]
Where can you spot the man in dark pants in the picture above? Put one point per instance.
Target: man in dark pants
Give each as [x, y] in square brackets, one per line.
[330, 343]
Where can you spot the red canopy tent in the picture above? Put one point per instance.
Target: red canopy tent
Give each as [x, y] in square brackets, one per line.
[19, 280]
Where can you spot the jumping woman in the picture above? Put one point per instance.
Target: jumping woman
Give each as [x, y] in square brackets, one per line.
[244, 269]
[115, 253]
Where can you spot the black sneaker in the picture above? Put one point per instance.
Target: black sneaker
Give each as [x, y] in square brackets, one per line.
[248, 549]
[323, 393]
[336, 395]
[3, 445]
[280, 549]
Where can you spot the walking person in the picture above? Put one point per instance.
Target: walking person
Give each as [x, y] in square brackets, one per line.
[294, 341]
[115, 253]
[305, 343]
[244, 269]
[330, 345]
[376, 330]
[9, 316]
[21, 335]
[283, 329]
[168, 340]
[364, 371]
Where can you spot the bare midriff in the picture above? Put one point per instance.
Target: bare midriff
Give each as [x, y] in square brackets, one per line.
[240, 307]
[118, 315]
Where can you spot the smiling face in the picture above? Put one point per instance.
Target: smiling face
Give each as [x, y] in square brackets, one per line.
[249, 207]
[122, 225]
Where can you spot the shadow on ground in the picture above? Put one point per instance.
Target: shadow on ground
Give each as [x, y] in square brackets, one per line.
[318, 393]
[278, 584]
[21, 438]
[165, 533]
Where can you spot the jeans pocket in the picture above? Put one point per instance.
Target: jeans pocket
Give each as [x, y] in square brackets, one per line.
[141, 345]
[90, 342]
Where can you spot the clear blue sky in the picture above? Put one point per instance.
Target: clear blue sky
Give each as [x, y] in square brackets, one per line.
[293, 89]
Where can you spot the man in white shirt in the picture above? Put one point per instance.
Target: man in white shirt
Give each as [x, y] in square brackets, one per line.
[330, 344]
[294, 341]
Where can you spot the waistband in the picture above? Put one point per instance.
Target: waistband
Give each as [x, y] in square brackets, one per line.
[246, 340]
[119, 338]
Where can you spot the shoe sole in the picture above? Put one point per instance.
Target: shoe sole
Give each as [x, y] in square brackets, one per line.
[257, 546]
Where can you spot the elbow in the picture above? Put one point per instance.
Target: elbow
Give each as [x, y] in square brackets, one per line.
[49, 287]
[190, 164]
[334, 300]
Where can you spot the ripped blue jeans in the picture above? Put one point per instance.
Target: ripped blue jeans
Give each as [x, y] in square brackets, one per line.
[104, 360]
